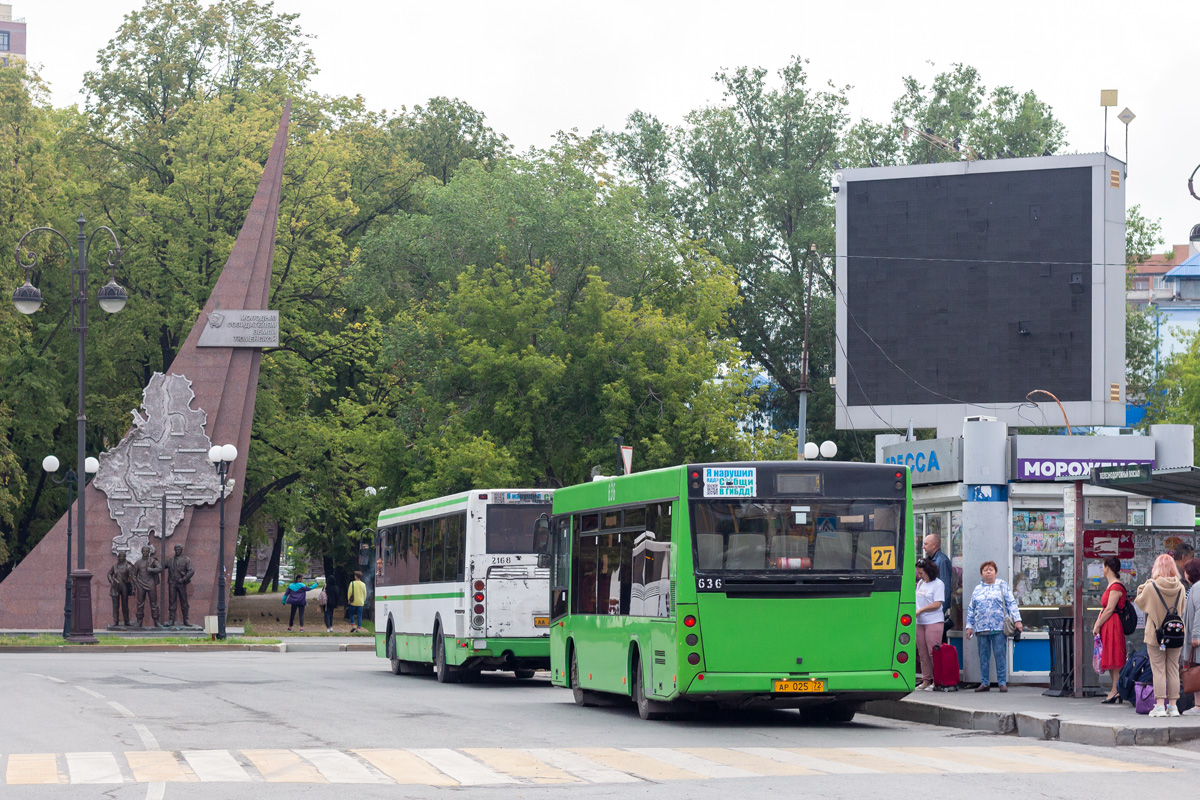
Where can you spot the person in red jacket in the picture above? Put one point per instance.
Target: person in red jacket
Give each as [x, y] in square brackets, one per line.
[1108, 626]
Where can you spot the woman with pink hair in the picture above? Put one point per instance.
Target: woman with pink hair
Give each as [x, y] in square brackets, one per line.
[1162, 598]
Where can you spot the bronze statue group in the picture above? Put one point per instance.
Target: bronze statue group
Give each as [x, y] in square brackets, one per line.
[141, 579]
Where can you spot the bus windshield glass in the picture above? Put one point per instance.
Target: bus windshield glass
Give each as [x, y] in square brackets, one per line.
[796, 537]
[510, 528]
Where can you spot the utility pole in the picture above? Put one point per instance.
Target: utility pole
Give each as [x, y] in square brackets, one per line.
[804, 388]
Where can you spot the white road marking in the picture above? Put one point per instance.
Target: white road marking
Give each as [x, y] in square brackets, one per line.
[86, 690]
[904, 755]
[465, 770]
[47, 677]
[215, 765]
[582, 767]
[122, 710]
[147, 737]
[94, 768]
[338, 767]
[691, 763]
[819, 764]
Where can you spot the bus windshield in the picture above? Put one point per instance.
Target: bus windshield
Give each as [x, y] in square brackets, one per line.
[800, 536]
[510, 528]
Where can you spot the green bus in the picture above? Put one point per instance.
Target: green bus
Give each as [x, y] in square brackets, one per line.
[781, 584]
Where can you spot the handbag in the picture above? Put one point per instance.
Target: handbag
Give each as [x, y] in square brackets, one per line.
[1143, 697]
[1010, 627]
[1097, 653]
[322, 599]
[1189, 678]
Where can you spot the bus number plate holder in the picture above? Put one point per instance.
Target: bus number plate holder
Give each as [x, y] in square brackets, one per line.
[800, 686]
[541, 622]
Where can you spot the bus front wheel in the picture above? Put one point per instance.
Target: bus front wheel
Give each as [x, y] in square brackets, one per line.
[445, 673]
[583, 698]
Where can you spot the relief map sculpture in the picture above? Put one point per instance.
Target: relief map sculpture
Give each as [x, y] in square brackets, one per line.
[165, 454]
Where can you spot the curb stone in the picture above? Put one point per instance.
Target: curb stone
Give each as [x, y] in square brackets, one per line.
[284, 647]
[1031, 724]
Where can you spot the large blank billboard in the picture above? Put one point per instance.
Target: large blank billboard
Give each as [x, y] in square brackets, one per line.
[962, 287]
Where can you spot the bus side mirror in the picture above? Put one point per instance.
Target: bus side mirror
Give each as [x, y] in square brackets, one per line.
[545, 560]
[541, 535]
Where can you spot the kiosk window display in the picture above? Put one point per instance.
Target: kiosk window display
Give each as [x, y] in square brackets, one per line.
[1043, 566]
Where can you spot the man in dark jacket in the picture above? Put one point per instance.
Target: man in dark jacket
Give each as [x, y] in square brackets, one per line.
[933, 551]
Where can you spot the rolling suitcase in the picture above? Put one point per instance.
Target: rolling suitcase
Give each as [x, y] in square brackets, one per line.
[945, 668]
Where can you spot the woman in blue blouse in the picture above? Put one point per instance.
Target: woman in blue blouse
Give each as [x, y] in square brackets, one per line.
[985, 621]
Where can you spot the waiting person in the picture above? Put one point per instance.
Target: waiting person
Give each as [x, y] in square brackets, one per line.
[1191, 622]
[296, 595]
[1108, 626]
[1156, 597]
[990, 599]
[356, 598]
[1182, 554]
[932, 545]
[931, 595]
[331, 596]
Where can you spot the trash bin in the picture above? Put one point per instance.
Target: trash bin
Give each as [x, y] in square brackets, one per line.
[1062, 656]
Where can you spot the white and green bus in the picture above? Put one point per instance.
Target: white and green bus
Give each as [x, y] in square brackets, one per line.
[457, 585]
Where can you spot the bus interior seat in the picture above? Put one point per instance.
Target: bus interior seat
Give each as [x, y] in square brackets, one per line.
[869, 539]
[786, 546]
[711, 548]
[746, 551]
[833, 551]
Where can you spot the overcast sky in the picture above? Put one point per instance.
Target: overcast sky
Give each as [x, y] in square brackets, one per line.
[538, 67]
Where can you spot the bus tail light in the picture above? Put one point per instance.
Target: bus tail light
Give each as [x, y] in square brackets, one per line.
[902, 657]
[904, 638]
[479, 598]
[906, 620]
[479, 610]
[689, 621]
[693, 658]
[477, 621]
[479, 586]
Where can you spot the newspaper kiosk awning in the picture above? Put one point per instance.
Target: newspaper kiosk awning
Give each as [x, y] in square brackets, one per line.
[1180, 484]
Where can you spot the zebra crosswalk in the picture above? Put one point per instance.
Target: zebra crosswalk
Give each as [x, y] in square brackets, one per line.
[496, 766]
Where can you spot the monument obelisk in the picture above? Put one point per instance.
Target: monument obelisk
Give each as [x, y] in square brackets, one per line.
[225, 382]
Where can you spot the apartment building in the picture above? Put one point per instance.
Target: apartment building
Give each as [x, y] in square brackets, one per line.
[12, 36]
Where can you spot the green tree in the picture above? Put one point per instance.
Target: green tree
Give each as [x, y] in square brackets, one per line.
[445, 132]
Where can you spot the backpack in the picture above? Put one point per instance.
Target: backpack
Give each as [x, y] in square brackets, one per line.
[1136, 670]
[1126, 613]
[1170, 632]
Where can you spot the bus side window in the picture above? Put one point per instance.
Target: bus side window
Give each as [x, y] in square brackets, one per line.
[585, 588]
[560, 566]
[627, 540]
[423, 551]
[437, 551]
[409, 541]
[454, 548]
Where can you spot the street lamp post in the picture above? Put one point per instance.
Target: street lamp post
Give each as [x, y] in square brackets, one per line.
[112, 298]
[50, 465]
[221, 456]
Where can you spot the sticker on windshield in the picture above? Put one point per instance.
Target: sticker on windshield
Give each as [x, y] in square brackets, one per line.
[730, 482]
[883, 558]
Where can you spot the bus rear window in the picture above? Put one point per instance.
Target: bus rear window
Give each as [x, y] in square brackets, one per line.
[800, 536]
[510, 528]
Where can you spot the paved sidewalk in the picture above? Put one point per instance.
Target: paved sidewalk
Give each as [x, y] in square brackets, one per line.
[143, 642]
[1025, 711]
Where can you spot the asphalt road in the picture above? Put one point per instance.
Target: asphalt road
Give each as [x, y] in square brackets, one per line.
[340, 724]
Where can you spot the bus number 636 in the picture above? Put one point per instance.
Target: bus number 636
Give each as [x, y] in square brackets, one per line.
[709, 583]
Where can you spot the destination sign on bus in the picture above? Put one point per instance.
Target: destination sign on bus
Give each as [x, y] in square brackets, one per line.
[522, 497]
[730, 481]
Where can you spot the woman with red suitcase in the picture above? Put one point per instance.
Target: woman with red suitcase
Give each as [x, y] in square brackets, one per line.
[931, 595]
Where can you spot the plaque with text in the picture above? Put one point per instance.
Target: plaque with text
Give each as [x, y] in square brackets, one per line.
[240, 328]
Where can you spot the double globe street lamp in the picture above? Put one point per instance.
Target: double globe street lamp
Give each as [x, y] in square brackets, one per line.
[50, 466]
[221, 456]
[112, 298]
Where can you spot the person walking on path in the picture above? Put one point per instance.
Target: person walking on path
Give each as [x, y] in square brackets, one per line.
[1191, 622]
[331, 595]
[1157, 597]
[931, 595]
[991, 602]
[1108, 626]
[356, 598]
[296, 596]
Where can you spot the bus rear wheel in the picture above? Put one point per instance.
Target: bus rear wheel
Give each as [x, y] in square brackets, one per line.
[444, 672]
[833, 712]
[397, 664]
[647, 708]
[583, 698]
